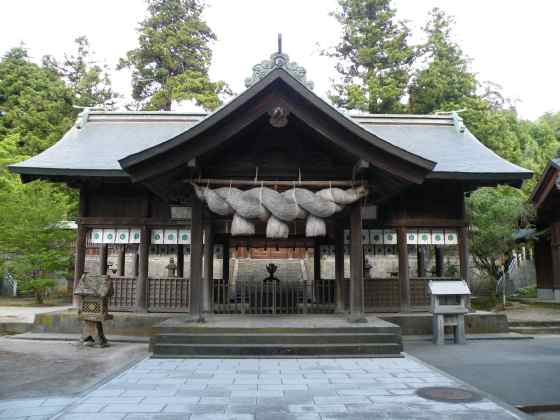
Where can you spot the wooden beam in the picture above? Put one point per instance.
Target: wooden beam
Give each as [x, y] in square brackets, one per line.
[339, 268]
[421, 258]
[180, 261]
[225, 261]
[279, 183]
[439, 260]
[208, 267]
[555, 253]
[143, 266]
[356, 266]
[404, 276]
[316, 262]
[103, 259]
[196, 261]
[463, 237]
[121, 260]
[80, 260]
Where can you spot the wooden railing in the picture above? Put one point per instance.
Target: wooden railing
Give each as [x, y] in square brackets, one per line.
[124, 294]
[168, 294]
[382, 295]
[274, 297]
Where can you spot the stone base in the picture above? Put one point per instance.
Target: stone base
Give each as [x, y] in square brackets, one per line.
[546, 294]
[140, 324]
[92, 334]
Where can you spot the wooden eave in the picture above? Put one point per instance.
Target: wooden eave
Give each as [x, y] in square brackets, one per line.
[278, 88]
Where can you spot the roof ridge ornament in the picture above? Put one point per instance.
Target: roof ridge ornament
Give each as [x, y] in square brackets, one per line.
[276, 61]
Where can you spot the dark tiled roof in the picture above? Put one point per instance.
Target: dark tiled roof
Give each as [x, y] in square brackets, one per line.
[107, 137]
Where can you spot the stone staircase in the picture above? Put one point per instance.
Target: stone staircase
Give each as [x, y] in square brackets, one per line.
[276, 337]
[255, 269]
[535, 327]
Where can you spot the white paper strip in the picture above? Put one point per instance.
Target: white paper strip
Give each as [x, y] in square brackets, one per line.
[122, 236]
[134, 237]
[437, 237]
[411, 237]
[376, 236]
[218, 251]
[157, 237]
[108, 236]
[324, 250]
[170, 237]
[451, 237]
[97, 236]
[424, 237]
[184, 237]
[389, 237]
[365, 237]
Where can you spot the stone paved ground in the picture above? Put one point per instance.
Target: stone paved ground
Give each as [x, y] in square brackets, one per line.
[522, 312]
[270, 389]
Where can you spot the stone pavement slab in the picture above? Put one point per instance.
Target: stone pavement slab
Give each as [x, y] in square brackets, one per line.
[307, 389]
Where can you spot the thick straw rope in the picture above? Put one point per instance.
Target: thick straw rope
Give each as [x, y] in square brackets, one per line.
[278, 209]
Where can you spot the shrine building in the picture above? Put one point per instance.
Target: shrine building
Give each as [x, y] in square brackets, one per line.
[186, 211]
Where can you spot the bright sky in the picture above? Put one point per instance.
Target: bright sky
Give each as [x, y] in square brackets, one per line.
[511, 42]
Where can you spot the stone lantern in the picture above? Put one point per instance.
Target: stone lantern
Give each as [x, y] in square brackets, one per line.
[94, 292]
[449, 306]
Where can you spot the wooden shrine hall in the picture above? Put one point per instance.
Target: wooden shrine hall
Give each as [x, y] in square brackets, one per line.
[162, 182]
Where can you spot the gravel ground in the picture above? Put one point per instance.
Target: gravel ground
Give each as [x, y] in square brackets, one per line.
[46, 368]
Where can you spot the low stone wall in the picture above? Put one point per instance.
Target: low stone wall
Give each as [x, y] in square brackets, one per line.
[123, 323]
[134, 324]
[475, 323]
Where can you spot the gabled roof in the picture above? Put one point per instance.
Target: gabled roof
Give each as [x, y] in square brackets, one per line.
[284, 88]
[107, 140]
[549, 182]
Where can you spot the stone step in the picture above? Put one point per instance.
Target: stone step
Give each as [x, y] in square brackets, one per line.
[536, 330]
[281, 338]
[390, 329]
[534, 323]
[217, 350]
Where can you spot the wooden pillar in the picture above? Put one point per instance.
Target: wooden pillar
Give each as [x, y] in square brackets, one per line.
[143, 265]
[421, 258]
[103, 259]
[463, 238]
[180, 261]
[122, 260]
[80, 260]
[555, 253]
[135, 263]
[316, 262]
[208, 267]
[225, 262]
[439, 261]
[339, 268]
[356, 266]
[404, 277]
[196, 260]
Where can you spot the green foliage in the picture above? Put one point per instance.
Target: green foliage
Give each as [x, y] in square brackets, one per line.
[374, 57]
[494, 214]
[445, 79]
[173, 58]
[527, 292]
[90, 84]
[30, 232]
[40, 288]
[37, 104]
